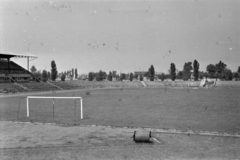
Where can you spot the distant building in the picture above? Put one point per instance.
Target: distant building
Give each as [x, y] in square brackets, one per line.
[83, 77]
[143, 73]
[139, 73]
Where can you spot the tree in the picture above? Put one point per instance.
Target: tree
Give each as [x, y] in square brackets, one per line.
[110, 76]
[227, 74]
[135, 76]
[211, 69]
[172, 71]
[63, 77]
[187, 70]
[114, 73]
[76, 74]
[38, 75]
[49, 75]
[54, 70]
[236, 76]
[90, 76]
[59, 75]
[122, 76]
[202, 74]
[33, 69]
[217, 70]
[117, 76]
[131, 76]
[151, 73]
[127, 76]
[72, 73]
[101, 75]
[147, 74]
[162, 76]
[220, 67]
[44, 76]
[104, 75]
[195, 70]
[180, 75]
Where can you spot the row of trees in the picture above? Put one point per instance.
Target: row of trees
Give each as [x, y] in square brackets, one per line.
[70, 73]
[53, 75]
[190, 71]
[219, 70]
[101, 75]
[45, 75]
[186, 73]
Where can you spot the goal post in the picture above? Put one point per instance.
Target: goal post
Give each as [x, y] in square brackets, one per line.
[53, 98]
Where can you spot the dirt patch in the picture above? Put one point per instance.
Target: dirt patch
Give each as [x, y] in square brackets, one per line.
[45, 141]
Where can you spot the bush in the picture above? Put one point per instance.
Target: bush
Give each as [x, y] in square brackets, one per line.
[131, 77]
[44, 76]
[63, 77]
[90, 76]
[110, 76]
[151, 73]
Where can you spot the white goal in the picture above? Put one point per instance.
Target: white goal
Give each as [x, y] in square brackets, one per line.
[53, 102]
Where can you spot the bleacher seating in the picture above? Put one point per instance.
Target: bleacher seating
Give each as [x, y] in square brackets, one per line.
[180, 84]
[220, 83]
[65, 85]
[177, 83]
[154, 84]
[14, 68]
[75, 84]
[39, 86]
[194, 83]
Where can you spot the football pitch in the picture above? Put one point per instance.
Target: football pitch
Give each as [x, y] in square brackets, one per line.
[213, 110]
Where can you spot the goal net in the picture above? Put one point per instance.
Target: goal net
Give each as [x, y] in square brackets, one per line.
[62, 108]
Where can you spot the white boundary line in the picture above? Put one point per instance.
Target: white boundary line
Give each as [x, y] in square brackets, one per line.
[48, 97]
[165, 131]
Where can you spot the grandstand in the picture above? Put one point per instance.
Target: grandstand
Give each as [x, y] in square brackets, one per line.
[12, 72]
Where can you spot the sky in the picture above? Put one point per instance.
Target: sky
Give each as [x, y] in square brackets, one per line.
[121, 35]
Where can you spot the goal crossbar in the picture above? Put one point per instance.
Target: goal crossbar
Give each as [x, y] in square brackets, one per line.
[42, 97]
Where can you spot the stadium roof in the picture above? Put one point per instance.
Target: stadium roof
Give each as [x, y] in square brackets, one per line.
[17, 55]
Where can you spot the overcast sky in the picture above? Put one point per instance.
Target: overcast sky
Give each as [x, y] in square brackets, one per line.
[124, 35]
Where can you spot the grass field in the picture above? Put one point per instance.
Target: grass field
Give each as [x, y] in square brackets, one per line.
[215, 110]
